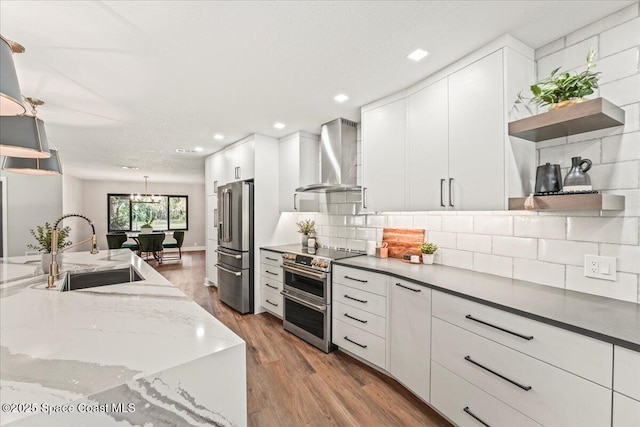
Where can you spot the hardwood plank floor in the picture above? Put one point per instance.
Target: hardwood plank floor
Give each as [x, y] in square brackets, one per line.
[291, 383]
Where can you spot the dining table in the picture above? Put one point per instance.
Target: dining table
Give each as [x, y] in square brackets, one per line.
[134, 235]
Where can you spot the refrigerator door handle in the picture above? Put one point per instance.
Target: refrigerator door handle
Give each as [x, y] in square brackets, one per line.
[235, 273]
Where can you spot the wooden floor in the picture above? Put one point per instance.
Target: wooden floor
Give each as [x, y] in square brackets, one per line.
[291, 383]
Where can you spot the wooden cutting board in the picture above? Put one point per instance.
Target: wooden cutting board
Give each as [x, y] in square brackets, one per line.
[403, 241]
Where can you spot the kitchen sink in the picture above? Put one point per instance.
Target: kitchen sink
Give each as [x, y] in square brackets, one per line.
[93, 279]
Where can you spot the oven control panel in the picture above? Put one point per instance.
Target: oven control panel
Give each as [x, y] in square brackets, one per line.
[307, 261]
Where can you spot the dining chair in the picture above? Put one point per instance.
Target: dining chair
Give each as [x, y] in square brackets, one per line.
[115, 240]
[179, 239]
[151, 244]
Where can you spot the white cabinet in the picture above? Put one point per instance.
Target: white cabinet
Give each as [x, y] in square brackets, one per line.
[299, 163]
[626, 411]
[212, 259]
[428, 148]
[240, 161]
[626, 372]
[271, 282]
[410, 335]
[218, 175]
[383, 170]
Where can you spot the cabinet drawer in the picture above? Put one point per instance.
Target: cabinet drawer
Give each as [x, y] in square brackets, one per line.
[366, 301]
[271, 272]
[626, 411]
[270, 258]
[361, 319]
[271, 284]
[584, 356]
[363, 344]
[451, 395]
[544, 393]
[360, 279]
[272, 301]
[626, 372]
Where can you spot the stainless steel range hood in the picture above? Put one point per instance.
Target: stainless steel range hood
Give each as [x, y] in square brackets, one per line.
[338, 153]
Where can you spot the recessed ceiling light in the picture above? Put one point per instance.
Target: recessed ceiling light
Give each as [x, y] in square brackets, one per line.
[218, 136]
[279, 125]
[133, 168]
[417, 55]
[341, 98]
[198, 149]
[180, 150]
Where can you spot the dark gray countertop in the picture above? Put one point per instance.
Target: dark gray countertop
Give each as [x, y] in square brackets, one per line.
[610, 320]
[282, 248]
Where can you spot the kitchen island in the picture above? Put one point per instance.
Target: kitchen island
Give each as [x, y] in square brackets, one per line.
[136, 353]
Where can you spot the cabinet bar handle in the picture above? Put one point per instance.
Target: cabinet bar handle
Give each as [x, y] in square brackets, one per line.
[357, 280]
[355, 318]
[451, 192]
[524, 337]
[215, 186]
[468, 411]
[271, 259]
[355, 299]
[271, 286]
[295, 196]
[442, 192]
[271, 272]
[525, 388]
[353, 342]
[272, 303]
[407, 287]
[364, 197]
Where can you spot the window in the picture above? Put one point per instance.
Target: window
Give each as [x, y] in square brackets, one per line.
[164, 212]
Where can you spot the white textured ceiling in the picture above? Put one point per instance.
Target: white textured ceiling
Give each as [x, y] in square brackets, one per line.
[128, 82]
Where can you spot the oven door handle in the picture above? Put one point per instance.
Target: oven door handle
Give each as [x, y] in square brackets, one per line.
[303, 302]
[306, 273]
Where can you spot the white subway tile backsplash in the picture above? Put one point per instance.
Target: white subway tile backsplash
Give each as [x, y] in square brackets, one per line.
[358, 245]
[454, 258]
[347, 232]
[354, 196]
[562, 154]
[603, 24]
[552, 227]
[442, 239]
[565, 251]
[549, 48]
[427, 222]
[628, 257]
[474, 242]
[338, 220]
[502, 226]
[620, 37]
[569, 58]
[322, 219]
[551, 142]
[605, 230]
[539, 272]
[621, 175]
[621, 147]
[330, 231]
[493, 264]
[631, 203]
[625, 288]
[338, 242]
[631, 119]
[366, 234]
[461, 224]
[337, 197]
[517, 247]
[356, 221]
[618, 65]
[376, 221]
[347, 208]
[399, 221]
[622, 92]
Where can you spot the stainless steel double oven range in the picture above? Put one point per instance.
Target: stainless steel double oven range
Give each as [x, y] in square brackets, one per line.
[307, 294]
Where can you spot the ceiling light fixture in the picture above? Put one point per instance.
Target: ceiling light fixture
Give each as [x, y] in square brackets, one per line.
[218, 136]
[10, 94]
[50, 166]
[341, 97]
[146, 197]
[133, 168]
[181, 150]
[279, 125]
[198, 149]
[24, 136]
[417, 55]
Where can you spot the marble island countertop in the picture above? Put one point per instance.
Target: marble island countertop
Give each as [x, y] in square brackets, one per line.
[144, 345]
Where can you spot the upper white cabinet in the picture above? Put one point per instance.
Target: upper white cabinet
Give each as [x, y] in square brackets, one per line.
[240, 161]
[443, 143]
[299, 162]
[218, 175]
[383, 170]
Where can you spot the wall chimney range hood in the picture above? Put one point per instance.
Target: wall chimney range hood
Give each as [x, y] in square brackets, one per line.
[338, 154]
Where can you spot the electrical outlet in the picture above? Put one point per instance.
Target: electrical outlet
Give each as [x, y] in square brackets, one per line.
[600, 267]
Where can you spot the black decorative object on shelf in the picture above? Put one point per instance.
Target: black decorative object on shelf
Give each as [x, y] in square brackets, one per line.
[565, 193]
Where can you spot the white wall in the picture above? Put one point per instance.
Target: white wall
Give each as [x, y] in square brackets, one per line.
[546, 248]
[31, 201]
[94, 206]
[72, 203]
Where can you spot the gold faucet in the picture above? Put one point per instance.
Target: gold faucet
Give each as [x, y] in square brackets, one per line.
[53, 268]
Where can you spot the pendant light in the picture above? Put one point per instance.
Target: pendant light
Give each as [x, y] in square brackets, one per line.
[24, 136]
[10, 95]
[50, 166]
[143, 197]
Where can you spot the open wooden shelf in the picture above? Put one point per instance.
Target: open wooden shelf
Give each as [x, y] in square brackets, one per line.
[587, 116]
[572, 202]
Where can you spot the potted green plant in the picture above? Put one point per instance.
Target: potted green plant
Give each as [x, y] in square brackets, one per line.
[146, 228]
[428, 252]
[561, 89]
[306, 227]
[42, 234]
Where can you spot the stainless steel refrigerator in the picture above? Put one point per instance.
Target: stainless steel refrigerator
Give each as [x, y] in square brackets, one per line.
[235, 245]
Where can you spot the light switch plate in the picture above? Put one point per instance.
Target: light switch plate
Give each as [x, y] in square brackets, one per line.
[600, 267]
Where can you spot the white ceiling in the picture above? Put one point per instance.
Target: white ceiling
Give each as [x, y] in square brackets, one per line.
[128, 82]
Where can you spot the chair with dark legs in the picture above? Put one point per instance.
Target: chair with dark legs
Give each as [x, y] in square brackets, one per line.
[126, 244]
[151, 244]
[179, 237]
[115, 240]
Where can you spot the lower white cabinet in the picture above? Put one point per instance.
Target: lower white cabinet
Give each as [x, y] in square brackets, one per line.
[272, 301]
[467, 405]
[271, 282]
[359, 342]
[212, 259]
[626, 372]
[626, 411]
[410, 336]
